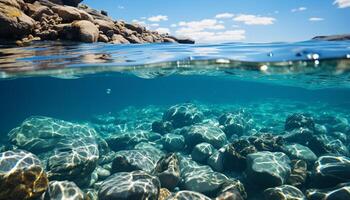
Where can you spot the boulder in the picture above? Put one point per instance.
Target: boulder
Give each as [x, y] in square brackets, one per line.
[298, 151]
[162, 127]
[268, 169]
[236, 123]
[299, 120]
[13, 22]
[104, 25]
[130, 186]
[127, 140]
[22, 176]
[173, 142]
[201, 152]
[71, 150]
[70, 14]
[284, 192]
[186, 195]
[168, 171]
[235, 155]
[62, 190]
[298, 174]
[343, 37]
[331, 170]
[204, 133]
[119, 39]
[138, 159]
[216, 160]
[183, 115]
[339, 192]
[87, 31]
[200, 178]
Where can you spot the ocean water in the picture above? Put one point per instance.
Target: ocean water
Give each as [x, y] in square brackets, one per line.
[232, 114]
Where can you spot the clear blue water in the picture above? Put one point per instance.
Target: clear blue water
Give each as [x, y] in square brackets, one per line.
[138, 83]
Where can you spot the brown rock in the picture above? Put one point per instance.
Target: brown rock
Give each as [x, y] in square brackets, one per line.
[166, 39]
[87, 31]
[105, 26]
[13, 22]
[102, 38]
[38, 11]
[119, 39]
[134, 39]
[67, 13]
[136, 27]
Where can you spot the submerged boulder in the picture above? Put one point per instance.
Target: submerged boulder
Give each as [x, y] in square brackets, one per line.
[339, 192]
[331, 170]
[168, 171]
[21, 176]
[185, 195]
[71, 150]
[298, 151]
[299, 120]
[201, 152]
[204, 133]
[130, 186]
[173, 142]
[284, 192]
[183, 115]
[268, 169]
[236, 123]
[62, 190]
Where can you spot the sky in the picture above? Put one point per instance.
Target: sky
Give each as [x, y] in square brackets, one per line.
[212, 21]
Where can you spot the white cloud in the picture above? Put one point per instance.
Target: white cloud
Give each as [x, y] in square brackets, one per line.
[209, 36]
[254, 19]
[316, 19]
[208, 30]
[143, 23]
[158, 18]
[342, 3]
[163, 30]
[298, 9]
[154, 25]
[224, 15]
[210, 24]
[173, 25]
[121, 7]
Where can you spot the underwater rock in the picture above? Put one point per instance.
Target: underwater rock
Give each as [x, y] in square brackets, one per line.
[70, 149]
[186, 195]
[232, 190]
[63, 190]
[164, 194]
[21, 176]
[331, 170]
[127, 140]
[200, 178]
[173, 142]
[14, 22]
[130, 186]
[268, 169]
[299, 120]
[339, 192]
[237, 123]
[284, 192]
[266, 142]
[182, 115]
[204, 133]
[130, 160]
[298, 174]
[235, 155]
[168, 171]
[298, 151]
[162, 127]
[72, 160]
[201, 152]
[216, 160]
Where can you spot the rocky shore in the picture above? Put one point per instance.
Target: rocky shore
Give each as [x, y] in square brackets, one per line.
[29, 20]
[186, 151]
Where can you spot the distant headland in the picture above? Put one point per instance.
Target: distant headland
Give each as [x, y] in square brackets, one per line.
[24, 21]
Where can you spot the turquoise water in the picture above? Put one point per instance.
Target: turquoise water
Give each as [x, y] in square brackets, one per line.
[135, 97]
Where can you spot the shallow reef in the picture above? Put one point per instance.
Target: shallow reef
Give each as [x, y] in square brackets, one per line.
[272, 150]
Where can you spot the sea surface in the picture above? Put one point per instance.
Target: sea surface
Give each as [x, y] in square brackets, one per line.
[135, 97]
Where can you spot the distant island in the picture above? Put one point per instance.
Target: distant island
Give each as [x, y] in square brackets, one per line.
[24, 21]
[333, 37]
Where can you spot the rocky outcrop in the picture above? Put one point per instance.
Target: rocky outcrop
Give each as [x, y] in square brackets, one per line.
[63, 19]
[333, 37]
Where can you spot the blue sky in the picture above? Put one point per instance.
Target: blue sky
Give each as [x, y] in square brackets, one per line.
[234, 20]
